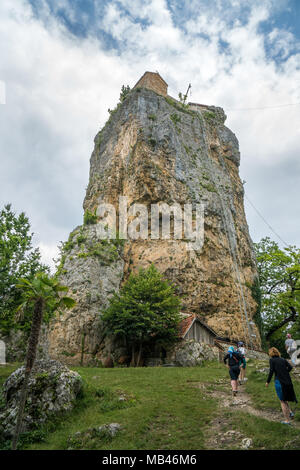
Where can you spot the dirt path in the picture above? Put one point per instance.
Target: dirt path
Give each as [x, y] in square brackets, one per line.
[217, 436]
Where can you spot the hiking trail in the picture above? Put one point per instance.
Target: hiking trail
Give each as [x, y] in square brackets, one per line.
[217, 437]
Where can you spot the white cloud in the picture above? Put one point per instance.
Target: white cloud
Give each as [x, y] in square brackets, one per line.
[2, 93]
[49, 253]
[59, 88]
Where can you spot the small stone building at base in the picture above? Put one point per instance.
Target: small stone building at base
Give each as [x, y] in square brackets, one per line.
[197, 344]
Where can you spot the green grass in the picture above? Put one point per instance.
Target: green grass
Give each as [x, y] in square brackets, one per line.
[266, 434]
[265, 397]
[5, 371]
[164, 409]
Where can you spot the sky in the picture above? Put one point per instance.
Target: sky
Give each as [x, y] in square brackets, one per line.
[63, 63]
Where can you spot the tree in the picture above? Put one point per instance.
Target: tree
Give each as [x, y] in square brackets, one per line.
[124, 92]
[279, 275]
[43, 297]
[18, 259]
[145, 310]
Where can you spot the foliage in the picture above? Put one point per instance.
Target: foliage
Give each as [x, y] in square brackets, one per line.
[209, 186]
[90, 218]
[209, 116]
[279, 276]
[184, 108]
[45, 287]
[124, 92]
[182, 99]
[43, 296]
[256, 294]
[146, 310]
[175, 118]
[152, 143]
[17, 259]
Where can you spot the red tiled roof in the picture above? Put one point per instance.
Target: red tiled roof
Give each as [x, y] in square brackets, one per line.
[185, 325]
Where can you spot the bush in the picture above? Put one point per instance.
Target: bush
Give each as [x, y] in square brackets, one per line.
[90, 218]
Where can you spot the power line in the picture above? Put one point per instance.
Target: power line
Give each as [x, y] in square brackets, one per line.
[262, 217]
[263, 107]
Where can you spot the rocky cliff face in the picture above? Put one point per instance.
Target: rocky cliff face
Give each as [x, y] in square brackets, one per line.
[155, 150]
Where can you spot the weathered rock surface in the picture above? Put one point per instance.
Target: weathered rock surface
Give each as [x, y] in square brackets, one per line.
[17, 341]
[91, 437]
[92, 269]
[53, 389]
[192, 353]
[246, 443]
[153, 150]
[2, 352]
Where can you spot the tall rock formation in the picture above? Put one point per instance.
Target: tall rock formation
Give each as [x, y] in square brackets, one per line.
[154, 149]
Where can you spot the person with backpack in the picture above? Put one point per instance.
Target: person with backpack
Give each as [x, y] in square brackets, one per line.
[235, 360]
[241, 349]
[290, 346]
[283, 383]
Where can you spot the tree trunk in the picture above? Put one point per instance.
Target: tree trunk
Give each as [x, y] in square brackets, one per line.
[140, 354]
[82, 347]
[30, 358]
[132, 363]
[291, 317]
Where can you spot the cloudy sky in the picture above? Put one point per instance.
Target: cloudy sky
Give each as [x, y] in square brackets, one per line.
[62, 65]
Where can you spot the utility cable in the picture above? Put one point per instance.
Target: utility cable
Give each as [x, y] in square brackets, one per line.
[262, 217]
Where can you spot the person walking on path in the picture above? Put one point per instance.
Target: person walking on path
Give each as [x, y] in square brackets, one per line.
[283, 383]
[234, 359]
[290, 346]
[241, 349]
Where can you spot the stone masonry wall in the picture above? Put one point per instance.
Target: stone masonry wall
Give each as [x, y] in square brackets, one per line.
[154, 82]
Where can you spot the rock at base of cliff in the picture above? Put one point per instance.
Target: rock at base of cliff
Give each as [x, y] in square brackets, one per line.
[52, 389]
[91, 438]
[193, 353]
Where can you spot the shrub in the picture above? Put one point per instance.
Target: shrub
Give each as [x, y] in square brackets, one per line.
[90, 218]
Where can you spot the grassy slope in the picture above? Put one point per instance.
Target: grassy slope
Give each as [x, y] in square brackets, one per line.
[266, 434]
[164, 409]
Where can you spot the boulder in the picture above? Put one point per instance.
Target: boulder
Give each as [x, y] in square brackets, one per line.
[91, 438]
[193, 353]
[246, 443]
[52, 389]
